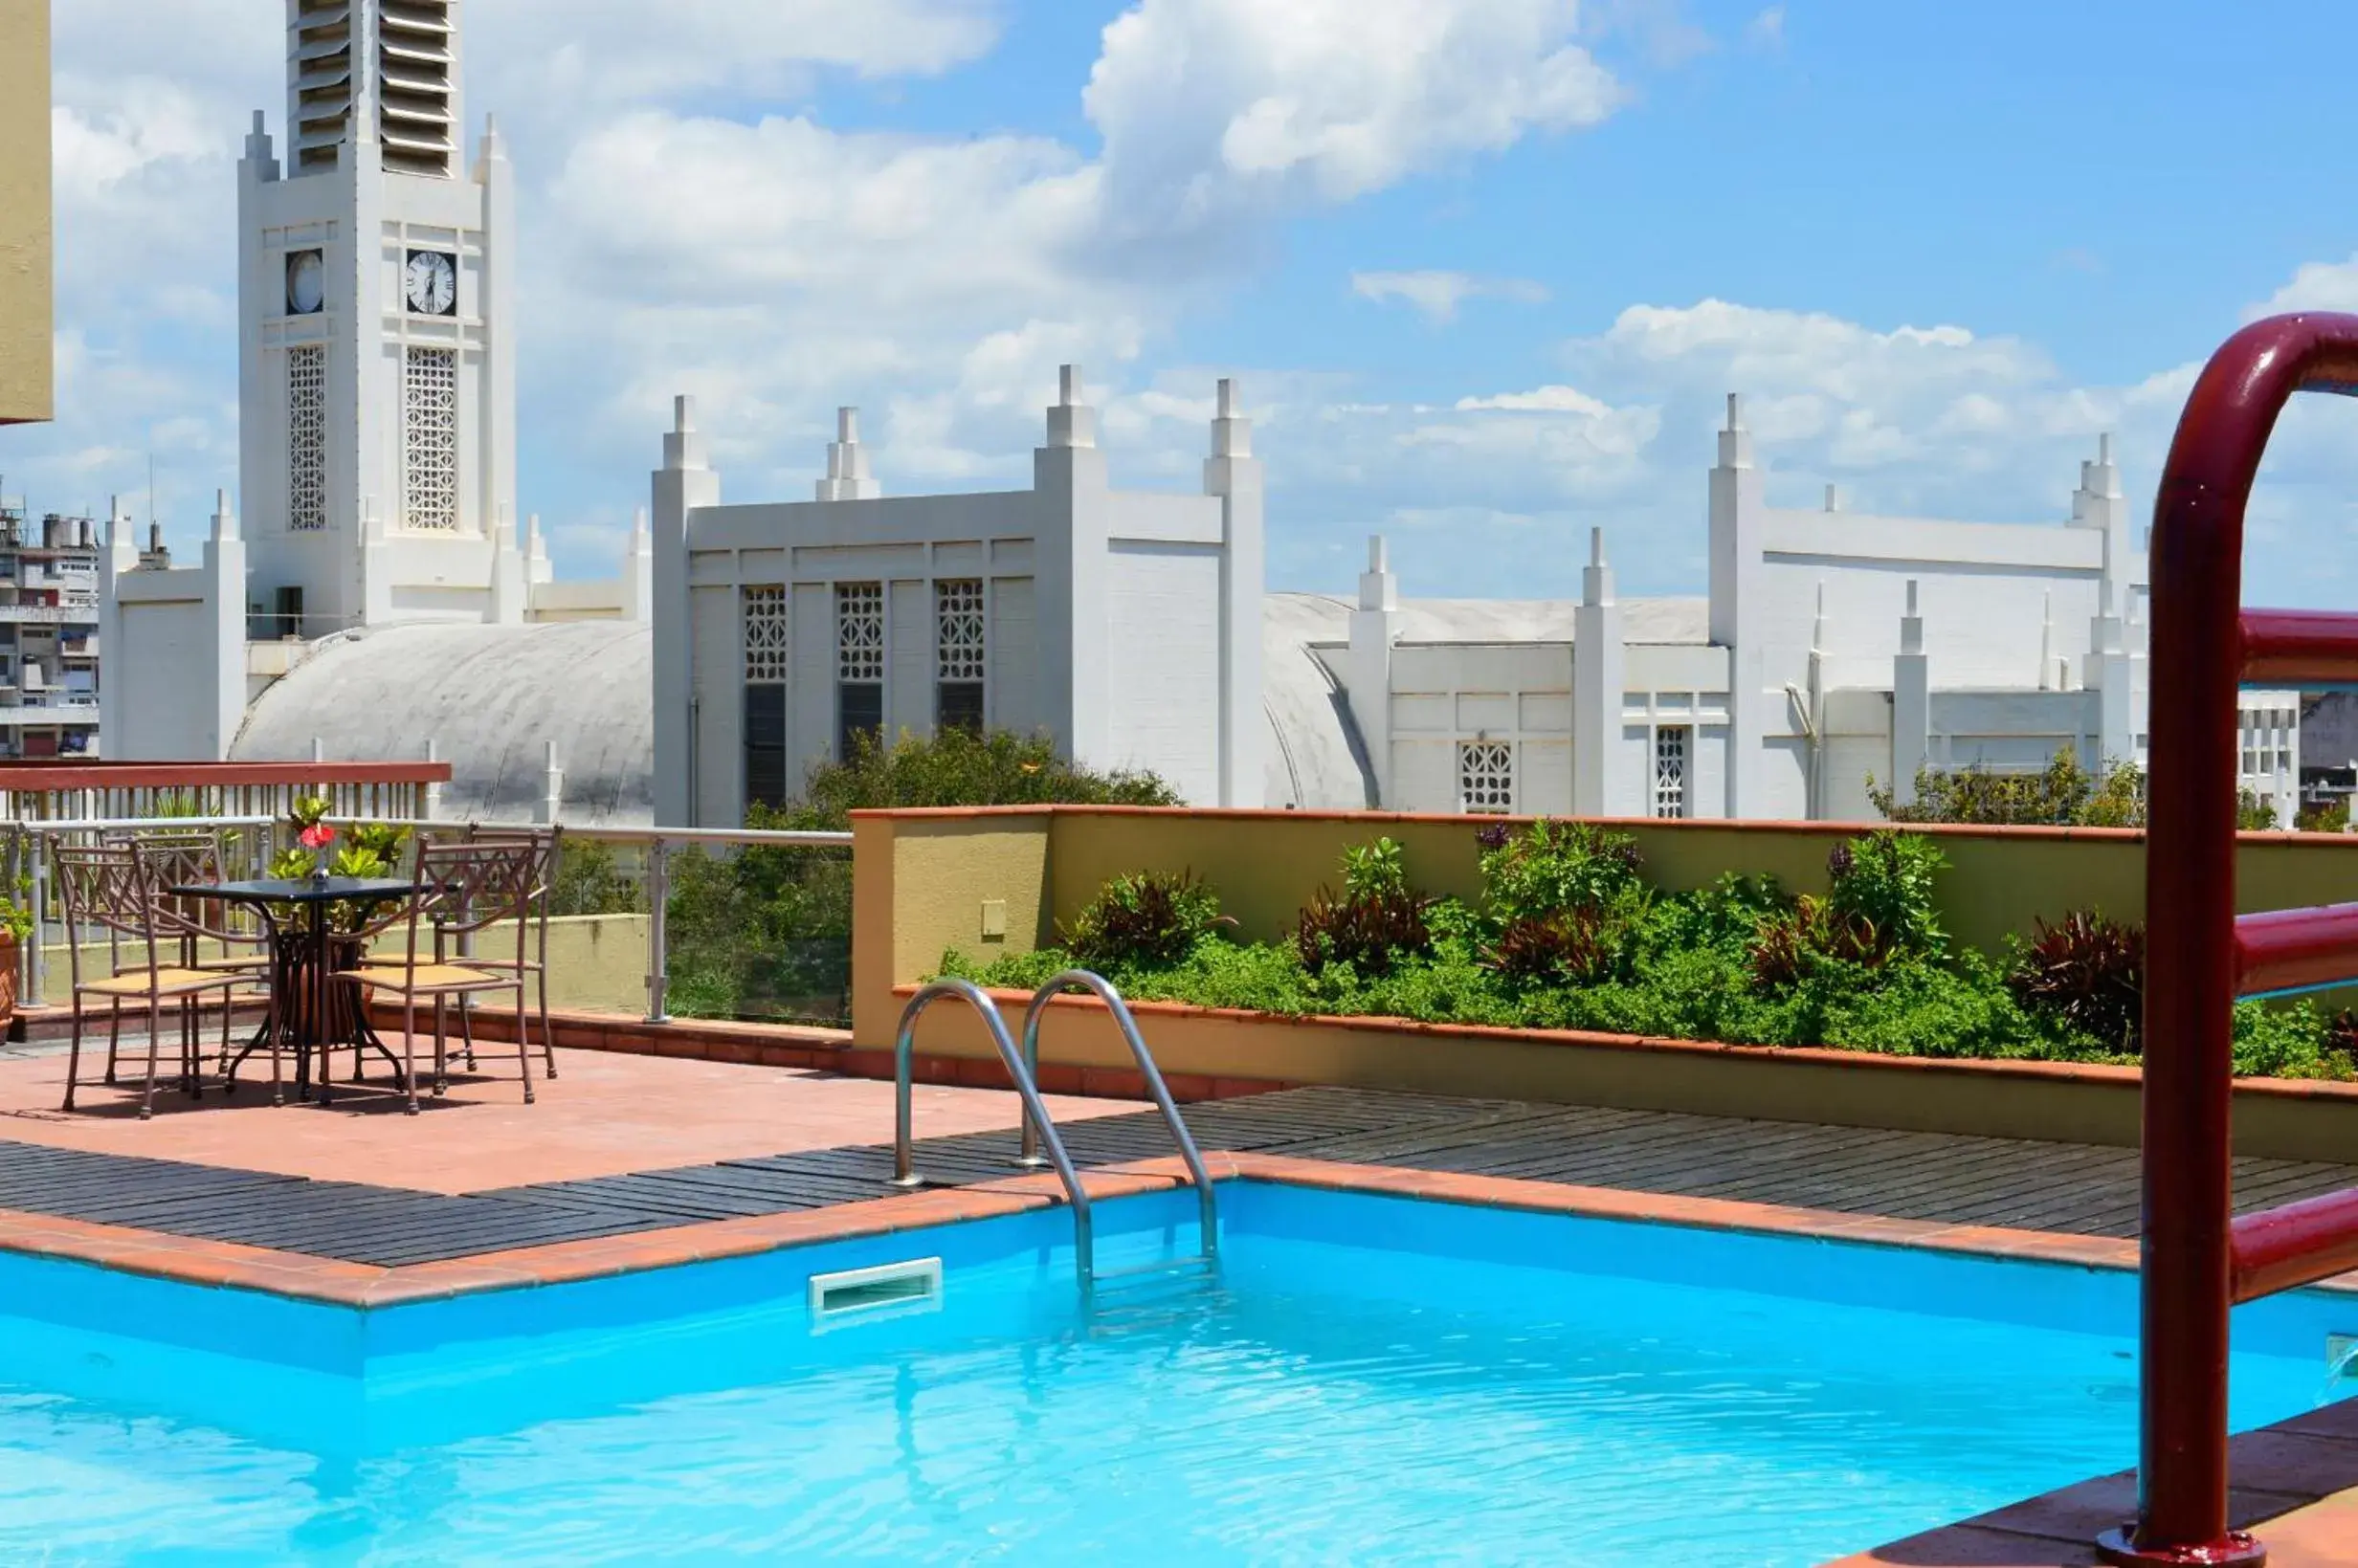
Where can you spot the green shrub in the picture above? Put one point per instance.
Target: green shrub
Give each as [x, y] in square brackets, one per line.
[1553, 868]
[959, 768]
[1378, 920]
[1151, 918]
[1881, 889]
[1569, 938]
[2087, 974]
[2063, 794]
[591, 881]
[765, 931]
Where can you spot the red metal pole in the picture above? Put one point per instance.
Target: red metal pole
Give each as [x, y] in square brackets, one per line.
[2197, 664]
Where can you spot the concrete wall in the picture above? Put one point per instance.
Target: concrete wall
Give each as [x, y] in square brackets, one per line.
[27, 331]
[922, 878]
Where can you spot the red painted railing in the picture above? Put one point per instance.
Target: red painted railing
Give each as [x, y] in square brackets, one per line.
[2197, 1260]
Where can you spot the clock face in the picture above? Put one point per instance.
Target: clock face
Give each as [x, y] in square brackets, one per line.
[306, 283]
[431, 283]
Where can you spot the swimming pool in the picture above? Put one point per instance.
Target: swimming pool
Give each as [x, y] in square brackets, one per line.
[1367, 1379]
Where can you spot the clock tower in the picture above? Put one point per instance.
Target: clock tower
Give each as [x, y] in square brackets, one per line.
[377, 371]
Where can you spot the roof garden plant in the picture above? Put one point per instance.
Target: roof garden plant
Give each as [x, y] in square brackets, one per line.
[1568, 932]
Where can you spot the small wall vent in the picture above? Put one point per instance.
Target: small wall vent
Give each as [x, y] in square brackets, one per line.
[868, 1292]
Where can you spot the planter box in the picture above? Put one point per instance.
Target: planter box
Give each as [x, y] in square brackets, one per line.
[2274, 1117]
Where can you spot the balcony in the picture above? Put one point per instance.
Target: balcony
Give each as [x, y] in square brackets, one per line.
[48, 615]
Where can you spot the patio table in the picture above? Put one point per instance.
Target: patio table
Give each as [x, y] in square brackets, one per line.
[305, 1008]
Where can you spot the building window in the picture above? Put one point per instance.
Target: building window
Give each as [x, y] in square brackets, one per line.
[765, 646]
[765, 664]
[1486, 776]
[1670, 754]
[859, 665]
[307, 437]
[958, 641]
[764, 745]
[430, 438]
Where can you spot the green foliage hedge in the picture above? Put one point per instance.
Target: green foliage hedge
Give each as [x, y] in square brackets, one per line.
[1568, 934]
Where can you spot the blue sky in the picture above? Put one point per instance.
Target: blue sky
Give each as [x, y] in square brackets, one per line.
[1485, 286]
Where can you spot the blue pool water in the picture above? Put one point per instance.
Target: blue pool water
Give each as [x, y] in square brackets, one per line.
[1366, 1380]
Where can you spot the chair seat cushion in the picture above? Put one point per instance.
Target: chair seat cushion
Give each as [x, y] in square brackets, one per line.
[163, 981]
[425, 976]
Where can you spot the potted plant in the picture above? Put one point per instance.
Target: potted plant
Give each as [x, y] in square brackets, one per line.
[16, 929]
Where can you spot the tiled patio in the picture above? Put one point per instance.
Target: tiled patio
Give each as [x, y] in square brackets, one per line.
[633, 1161]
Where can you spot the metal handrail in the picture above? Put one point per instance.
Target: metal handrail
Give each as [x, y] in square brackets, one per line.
[1085, 979]
[2196, 1260]
[904, 1157]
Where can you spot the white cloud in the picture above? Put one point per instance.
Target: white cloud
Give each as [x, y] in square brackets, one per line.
[1437, 295]
[1207, 103]
[1538, 399]
[1767, 30]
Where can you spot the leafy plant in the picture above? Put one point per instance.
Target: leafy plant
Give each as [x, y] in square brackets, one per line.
[1553, 866]
[1570, 947]
[957, 768]
[16, 911]
[2088, 974]
[591, 881]
[2062, 794]
[1378, 921]
[1788, 942]
[1879, 897]
[1152, 918]
[2333, 818]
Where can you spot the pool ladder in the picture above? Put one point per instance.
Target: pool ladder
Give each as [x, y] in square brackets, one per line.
[1040, 1130]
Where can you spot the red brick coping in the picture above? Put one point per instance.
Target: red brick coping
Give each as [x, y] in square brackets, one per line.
[2285, 1475]
[830, 1050]
[2298, 1089]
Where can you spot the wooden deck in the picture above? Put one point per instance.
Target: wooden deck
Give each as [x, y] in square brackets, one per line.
[1921, 1176]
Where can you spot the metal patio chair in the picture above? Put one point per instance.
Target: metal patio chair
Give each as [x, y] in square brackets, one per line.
[108, 886]
[534, 960]
[461, 891]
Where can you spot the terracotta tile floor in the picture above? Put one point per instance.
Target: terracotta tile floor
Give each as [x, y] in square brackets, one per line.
[605, 1115]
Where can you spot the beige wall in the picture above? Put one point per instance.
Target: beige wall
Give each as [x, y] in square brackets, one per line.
[596, 962]
[27, 313]
[920, 877]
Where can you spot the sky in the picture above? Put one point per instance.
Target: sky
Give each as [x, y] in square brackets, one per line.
[1484, 269]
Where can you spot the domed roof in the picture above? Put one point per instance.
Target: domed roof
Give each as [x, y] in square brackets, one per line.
[491, 698]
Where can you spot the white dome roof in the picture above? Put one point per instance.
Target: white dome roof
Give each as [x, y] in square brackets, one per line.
[491, 698]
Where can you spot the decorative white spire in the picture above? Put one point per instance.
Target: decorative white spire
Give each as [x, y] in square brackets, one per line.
[846, 464]
[1596, 577]
[1070, 422]
[1735, 441]
[1911, 624]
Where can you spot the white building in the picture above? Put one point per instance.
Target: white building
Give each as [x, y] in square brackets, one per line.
[1832, 648]
[377, 601]
[49, 636]
[376, 596]
[1125, 624]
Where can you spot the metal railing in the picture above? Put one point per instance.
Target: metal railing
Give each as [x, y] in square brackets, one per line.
[1036, 1110]
[658, 843]
[27, 856]
[2198, 1261]
[1159, 1092]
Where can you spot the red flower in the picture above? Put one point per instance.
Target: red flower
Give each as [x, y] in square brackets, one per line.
[318, 836]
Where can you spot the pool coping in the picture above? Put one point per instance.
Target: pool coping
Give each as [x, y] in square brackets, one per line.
[302, 1276]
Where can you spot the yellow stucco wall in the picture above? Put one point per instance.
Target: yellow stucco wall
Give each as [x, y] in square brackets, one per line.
[921, 876]
[28, 322]
[915, 892]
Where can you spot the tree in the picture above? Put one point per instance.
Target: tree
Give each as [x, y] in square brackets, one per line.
[2062, 795]
[764, 929]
